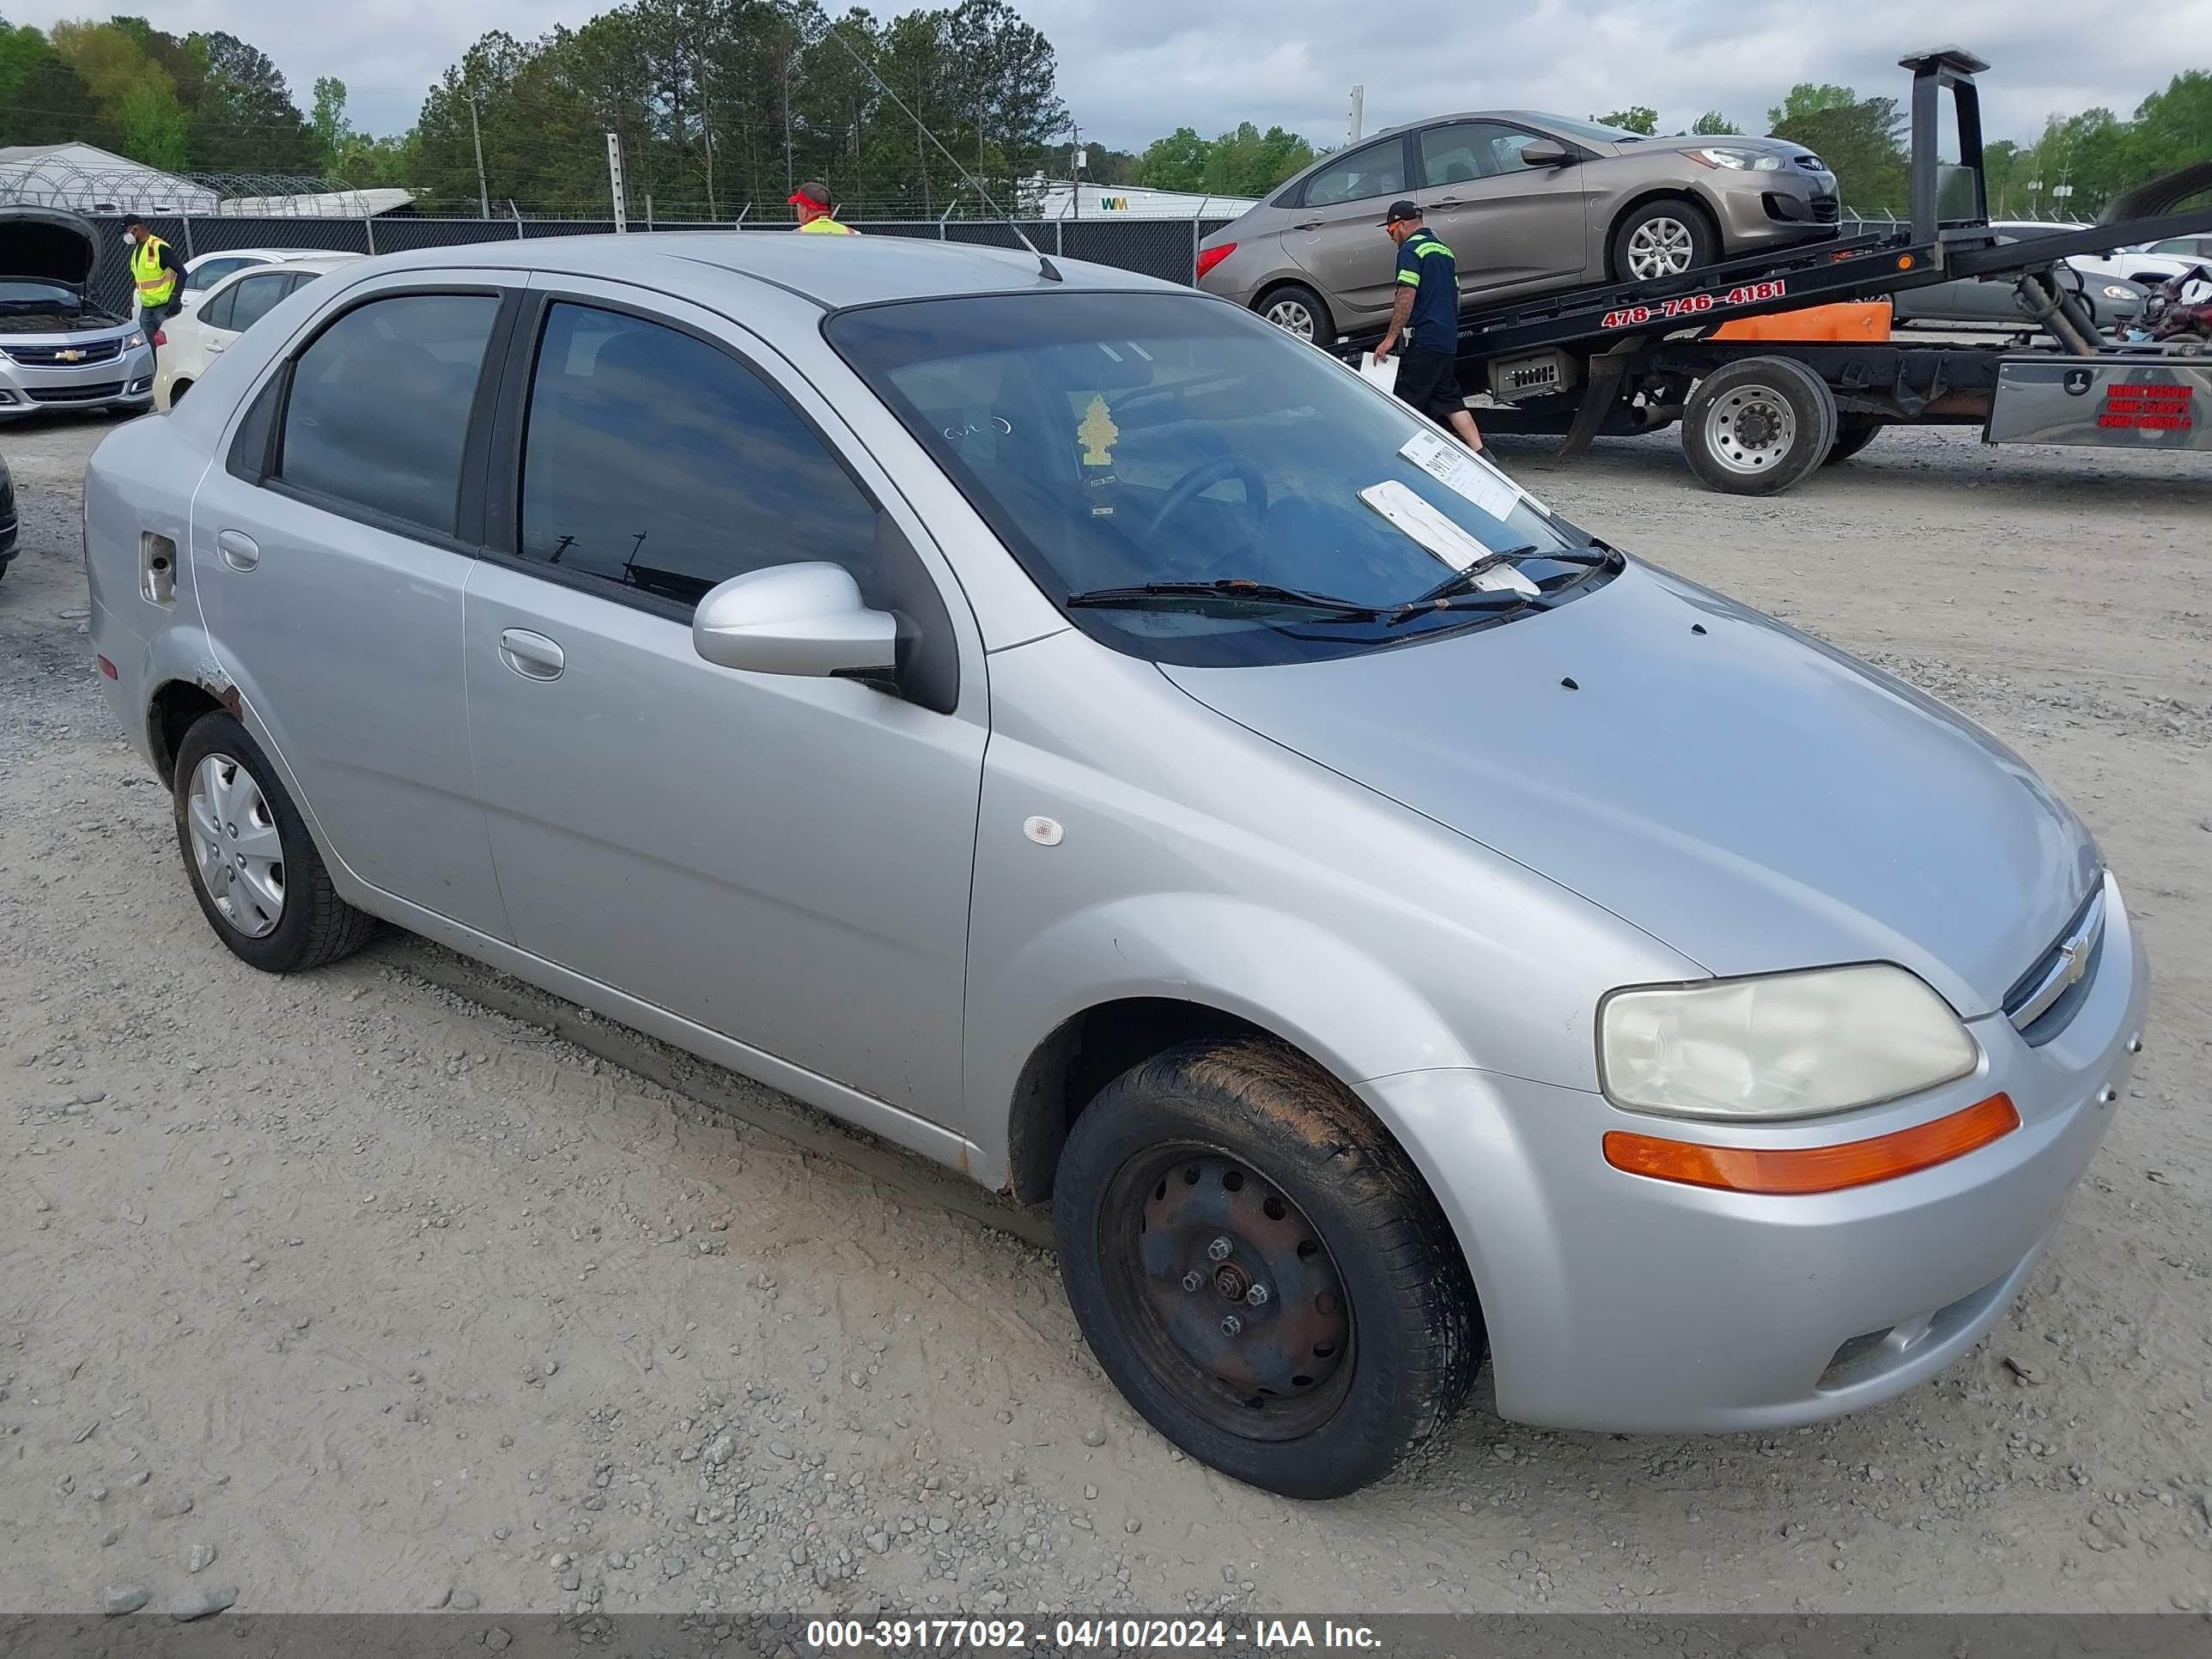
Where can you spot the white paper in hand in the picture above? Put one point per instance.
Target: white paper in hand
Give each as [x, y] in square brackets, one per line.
[1384, 374]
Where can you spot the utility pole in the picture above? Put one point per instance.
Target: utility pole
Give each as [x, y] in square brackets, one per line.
[615, 182]
[1359, 103]
[1075, 159]
[483, 195]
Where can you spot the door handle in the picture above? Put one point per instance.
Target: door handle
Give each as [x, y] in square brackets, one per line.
[214, 346]
[237, 550]
[531, 655]
[1449, 201]
[1308, 224]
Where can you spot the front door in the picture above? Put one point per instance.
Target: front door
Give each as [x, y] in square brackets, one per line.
[332, 588]
[783, 860]
[1508, 224]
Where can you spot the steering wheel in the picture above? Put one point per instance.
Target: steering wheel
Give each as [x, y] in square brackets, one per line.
[1202, 478]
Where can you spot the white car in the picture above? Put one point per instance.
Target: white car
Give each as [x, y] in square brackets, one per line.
[2148, 269]
[185, 345]
[2189, 249]
[204, 274]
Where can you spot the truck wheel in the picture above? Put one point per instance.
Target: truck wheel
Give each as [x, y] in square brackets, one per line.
[255, 871]
[1756, 427]
[1663, 238]
[1854, 432]
[1298, 311]
[1259, 1270]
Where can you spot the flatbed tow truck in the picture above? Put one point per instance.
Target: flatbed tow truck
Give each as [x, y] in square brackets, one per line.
[1758, 414]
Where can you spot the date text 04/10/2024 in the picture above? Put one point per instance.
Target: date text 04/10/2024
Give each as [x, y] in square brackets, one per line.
[927, 1635]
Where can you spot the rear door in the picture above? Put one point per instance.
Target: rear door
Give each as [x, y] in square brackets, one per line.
[1336, 231]
[330, 557]
[1509, 224]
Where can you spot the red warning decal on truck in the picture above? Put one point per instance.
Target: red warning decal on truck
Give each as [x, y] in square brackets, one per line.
[2148, 408]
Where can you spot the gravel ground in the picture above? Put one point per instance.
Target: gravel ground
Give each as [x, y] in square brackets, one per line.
[383, 1300]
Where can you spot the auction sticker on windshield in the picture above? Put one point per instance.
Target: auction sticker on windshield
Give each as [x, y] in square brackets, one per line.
[1441, 537]
[1461, 470]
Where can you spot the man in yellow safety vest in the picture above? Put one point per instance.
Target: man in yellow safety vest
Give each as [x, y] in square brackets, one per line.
[812, 201]
[155, 273]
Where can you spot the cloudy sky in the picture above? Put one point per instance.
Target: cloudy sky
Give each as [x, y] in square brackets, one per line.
[1132, 69]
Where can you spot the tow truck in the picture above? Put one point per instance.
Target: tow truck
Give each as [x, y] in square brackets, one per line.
[1758, 415]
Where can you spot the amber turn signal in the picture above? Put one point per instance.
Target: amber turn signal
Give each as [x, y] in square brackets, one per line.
[1796, 1169]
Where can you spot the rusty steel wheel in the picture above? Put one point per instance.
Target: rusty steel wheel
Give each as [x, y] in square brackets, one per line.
[1229, 1291]
[1259, 1270]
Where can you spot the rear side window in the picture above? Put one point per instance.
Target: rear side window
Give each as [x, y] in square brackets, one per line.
[252, 298]
[1379, 170]
[654, 461]
[207, 276]
[379, 412]
[215, 314]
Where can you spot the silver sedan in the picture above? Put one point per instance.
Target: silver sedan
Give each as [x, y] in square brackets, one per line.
[1055, 722]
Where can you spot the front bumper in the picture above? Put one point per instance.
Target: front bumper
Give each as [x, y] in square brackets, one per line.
[1763, 209]
[1614, 1302]
[123, 381]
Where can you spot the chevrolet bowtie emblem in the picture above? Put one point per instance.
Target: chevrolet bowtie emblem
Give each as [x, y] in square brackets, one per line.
[70, 355]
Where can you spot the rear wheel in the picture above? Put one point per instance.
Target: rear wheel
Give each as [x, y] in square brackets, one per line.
[1854, 432]
[1756, 427]
[177, 392]
[259, 878]
[1663, 238]
[1260, 1271]
[1298, 310]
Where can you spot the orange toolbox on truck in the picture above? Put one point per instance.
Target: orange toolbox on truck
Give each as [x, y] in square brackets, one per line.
[1851, 321]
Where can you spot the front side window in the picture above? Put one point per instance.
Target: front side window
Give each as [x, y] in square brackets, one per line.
[1378, 170]
[654, 461]
[1117, 440]
[378, 415]
[253, 298]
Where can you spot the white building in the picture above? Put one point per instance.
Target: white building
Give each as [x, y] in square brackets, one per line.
[1056, 199]
[87, 179]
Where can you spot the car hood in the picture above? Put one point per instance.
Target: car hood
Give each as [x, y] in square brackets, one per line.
[1750, 797]
[47, 245]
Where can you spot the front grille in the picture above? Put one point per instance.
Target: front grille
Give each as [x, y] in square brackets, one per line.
[2044, 999]
[1826, 209]
[99, 351]
[75, 394]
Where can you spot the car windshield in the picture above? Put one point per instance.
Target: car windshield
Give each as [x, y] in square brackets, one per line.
[26, 291]
[1118, 441]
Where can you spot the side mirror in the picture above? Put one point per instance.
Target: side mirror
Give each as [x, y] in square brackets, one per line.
[802, 619]
[1546, 152]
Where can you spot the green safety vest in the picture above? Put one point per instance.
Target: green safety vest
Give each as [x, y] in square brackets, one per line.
[154, 284]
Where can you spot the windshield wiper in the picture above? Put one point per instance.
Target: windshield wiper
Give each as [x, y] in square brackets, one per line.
[1235, 592]
[1462, 582]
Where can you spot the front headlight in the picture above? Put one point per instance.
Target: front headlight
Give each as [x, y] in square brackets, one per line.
[1739, 160]
[1788, 1045]
[2114, 291]
[134, 343]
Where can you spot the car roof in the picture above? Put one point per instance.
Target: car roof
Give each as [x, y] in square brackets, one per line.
[312, 261]
[273, 255]
[832, 271]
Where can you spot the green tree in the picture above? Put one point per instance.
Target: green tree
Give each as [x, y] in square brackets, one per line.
[43, 99]
[1250, 162]
[1114, 166]
[1637, 117]
[334, 134]
[1713, 124]
[2171, 128]
[1177, 161]
[1860, 139]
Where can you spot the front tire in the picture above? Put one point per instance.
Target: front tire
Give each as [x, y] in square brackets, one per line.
[1664, 238]
[1297, 310]
[1336, 1329]
[1757, 426]
[255, 871]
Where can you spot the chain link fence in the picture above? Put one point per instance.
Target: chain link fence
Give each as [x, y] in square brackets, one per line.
[1165, 248]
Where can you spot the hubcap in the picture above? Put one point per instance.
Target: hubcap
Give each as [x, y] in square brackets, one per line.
[1257, 1339]
[1751, 430]
[1660, 247]
[236, 846]
[1292, 317]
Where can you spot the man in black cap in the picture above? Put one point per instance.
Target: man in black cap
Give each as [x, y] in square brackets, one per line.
[1427, 315]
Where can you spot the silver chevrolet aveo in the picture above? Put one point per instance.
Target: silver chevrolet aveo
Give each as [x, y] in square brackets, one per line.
[1060, 723]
